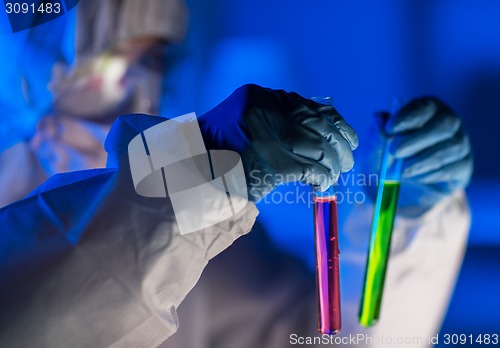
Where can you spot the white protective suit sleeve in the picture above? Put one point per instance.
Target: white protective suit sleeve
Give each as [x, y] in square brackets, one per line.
[86, 262]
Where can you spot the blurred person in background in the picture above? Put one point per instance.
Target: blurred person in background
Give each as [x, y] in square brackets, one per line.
[120, 53]
[87, 262]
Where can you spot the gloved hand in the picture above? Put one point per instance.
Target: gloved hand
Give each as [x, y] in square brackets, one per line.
[281, 137]
[431, 139]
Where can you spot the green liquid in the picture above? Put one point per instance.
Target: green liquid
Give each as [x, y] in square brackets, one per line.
[378, 255]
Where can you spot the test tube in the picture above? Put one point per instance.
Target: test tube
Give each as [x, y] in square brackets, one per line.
[326, 243]
[380, 236]
[326, 247]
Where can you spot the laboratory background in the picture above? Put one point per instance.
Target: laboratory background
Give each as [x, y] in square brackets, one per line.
[363, 54]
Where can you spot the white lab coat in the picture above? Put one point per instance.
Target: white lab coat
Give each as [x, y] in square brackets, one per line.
[86, 262]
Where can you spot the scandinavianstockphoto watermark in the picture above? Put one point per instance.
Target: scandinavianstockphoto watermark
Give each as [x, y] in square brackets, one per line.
[352, 188]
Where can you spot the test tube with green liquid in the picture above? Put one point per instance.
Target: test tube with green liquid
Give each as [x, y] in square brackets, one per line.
[380, 237]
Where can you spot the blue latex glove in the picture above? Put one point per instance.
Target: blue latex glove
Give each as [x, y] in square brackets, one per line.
[436, 152]
[281, 137]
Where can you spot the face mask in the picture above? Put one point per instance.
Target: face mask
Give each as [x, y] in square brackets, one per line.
[92, 89]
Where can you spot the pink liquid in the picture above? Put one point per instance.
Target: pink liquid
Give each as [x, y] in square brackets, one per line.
[327, 264]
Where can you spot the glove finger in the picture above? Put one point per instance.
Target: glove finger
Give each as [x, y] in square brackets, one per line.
[308, 171]
[311, 120]
[332, 151]
[334, 118]
[457, 172]
[317, 124]
[440, 128]
[412, 116]
[343, 150]
[318, 176]
[437, 156]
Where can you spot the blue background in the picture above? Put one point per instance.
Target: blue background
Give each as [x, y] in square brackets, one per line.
[363, 54]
